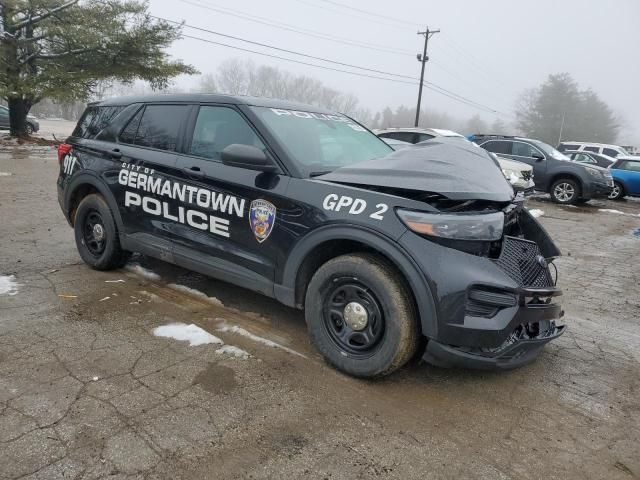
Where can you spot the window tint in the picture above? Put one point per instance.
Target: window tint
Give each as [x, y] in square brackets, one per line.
[524, 150]
[583, 158]
[159, 126]
[128, 135]
[591, 149]
[424, 136]
[94, 120]
[630, 165]
[218, 127]
[404, 136]
[498, 146]
[611, 152]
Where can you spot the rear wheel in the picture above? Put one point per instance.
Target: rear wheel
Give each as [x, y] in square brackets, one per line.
[617, 193]
[361, 316]
[565, 191]
[28, 129]
[97, 235]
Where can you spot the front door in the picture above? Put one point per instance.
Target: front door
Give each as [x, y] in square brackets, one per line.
[235, 223]
[526, 153]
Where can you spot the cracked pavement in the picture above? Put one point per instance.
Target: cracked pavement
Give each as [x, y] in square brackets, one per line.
[87, 391]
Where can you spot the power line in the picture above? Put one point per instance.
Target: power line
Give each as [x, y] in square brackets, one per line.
[316, 34]
[335, 62]
[430, 86]
[386, 17]
[302, 31]
[325, 8]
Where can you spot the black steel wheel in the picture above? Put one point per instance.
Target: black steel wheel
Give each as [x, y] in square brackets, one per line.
[361, 316]
[353, 317]
[96, 234]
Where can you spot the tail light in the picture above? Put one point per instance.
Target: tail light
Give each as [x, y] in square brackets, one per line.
[63, 149]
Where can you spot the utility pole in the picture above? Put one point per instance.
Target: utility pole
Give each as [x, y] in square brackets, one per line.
[423, 59]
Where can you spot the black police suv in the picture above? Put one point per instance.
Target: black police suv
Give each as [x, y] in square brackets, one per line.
[567, 182]
[385, 251]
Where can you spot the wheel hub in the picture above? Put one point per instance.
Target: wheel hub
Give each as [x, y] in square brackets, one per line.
[356, 316]
[98, 232]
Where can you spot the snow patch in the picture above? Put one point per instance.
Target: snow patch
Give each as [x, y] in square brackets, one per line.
[610, 210]
[141, 271]
[5, 174]
[196, 293]
[245, 333]
[536, 212]
[187, 333]
[233, 351]
[8, 285]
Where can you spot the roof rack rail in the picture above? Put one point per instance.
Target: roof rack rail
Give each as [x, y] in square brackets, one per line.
[492, 135]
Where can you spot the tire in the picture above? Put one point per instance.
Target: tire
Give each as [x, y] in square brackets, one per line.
[618, 192]
[370, 282]
[565, 191]
[28, 129]
[97, 235]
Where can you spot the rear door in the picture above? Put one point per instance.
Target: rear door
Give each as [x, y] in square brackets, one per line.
[629, 172]
[236, 209]
[145, 184]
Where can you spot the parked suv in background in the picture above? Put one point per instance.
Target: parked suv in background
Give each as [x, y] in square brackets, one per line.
[626, 177]
[414, 135]
[614, 151]
[566, 181]
[598, 159]
[385, 250]
[32, 124]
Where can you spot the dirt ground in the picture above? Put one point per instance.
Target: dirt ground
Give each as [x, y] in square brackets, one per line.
[87, 391]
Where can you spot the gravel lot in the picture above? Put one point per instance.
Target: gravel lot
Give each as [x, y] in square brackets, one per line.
[87, 391]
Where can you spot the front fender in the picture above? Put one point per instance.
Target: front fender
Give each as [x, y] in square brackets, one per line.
[286, 291]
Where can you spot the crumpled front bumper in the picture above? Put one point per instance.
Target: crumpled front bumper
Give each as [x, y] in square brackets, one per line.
[535, 308]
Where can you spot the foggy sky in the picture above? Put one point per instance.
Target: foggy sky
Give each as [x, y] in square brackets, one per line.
[487, 51]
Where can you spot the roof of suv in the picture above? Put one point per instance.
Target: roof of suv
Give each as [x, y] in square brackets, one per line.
[483, 136]
[438, 132]
[592, 144]
[214, 98]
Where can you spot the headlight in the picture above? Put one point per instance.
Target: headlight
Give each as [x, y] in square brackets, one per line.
[514, 176]
[453, 226]
[594, 173]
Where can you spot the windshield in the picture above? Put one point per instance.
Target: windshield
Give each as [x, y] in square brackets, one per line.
[549, 150]
[320, 143]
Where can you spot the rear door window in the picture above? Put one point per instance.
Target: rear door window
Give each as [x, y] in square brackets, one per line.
[423, 136]
[498, 146]
[158, 127]
[591, 149]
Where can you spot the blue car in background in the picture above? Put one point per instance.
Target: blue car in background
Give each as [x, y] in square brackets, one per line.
[626, 178]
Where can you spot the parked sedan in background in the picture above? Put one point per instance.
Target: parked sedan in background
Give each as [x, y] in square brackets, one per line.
[32, 123]
[598, 159]
[626, 178]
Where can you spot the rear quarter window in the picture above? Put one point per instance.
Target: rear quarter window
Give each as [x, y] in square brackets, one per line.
[610, 152]
[157, 126]
[95, 119]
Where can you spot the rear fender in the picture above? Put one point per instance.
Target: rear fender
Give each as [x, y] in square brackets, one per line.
[87, 178]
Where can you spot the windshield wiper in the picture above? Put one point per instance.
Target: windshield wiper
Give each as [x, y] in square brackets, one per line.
[318, 173]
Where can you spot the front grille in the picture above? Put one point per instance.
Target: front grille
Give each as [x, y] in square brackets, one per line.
[526, 174]
[521, 260]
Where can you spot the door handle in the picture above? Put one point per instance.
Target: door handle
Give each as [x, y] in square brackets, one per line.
[193, 172]
[116, 154]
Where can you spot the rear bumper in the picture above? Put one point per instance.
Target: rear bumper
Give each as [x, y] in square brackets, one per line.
[513, 355]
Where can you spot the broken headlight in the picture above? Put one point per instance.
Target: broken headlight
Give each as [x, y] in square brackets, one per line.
[484, 227]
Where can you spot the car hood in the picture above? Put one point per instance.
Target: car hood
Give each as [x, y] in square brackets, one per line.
[454, 169]
[514, 165]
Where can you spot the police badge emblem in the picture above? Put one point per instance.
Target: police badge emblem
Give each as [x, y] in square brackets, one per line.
[262, 217]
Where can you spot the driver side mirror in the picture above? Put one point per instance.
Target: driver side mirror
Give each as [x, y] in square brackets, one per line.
[247, 156]
[537, 156]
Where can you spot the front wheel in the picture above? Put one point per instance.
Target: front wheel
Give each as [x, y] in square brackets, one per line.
[28, 129]
[617, 193]
[361, 316]
[97, 235]
[565, 191]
